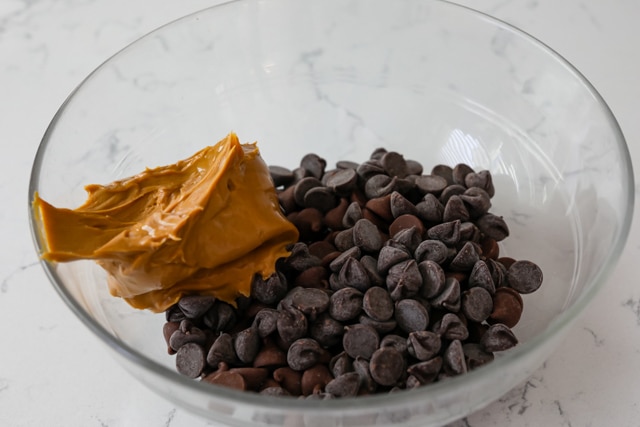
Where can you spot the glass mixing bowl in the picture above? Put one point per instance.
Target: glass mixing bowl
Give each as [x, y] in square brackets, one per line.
[434, 81]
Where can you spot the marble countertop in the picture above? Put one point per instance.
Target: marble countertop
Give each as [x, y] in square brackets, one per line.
[54, 372]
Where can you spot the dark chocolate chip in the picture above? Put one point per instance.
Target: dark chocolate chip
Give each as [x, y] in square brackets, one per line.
[360, 341]
[524, 276]
[190, 360]
[304, 353]
[387, 366]
[411, 315]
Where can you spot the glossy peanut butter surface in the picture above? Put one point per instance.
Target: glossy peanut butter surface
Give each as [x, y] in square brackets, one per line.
[206, 224]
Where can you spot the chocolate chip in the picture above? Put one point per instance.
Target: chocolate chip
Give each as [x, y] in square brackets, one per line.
[337, 264]
[379, 185]
[222, 350]
[345, 385]
[475, 355]
[313, 164]
[366, 236]
[194, 306]
[174, 314]
[414, 167]
[449, 298]
[315, 379]
[265, 321]
[340, 364]
[403, 280]
[190, 360]
[481, 180]
[459, 173]
[311, 302]
[450, 327]
[347, 164]
[377, 304]
[167, 330]
[409, 238]
[344, 240]
[387, 366]
[253, 377]
[480, 276]
[444, 171]
[280, 176]
[411, 315]
[476, 304]
[369, 169]
[346, 304]
[431, 184]
[507, 307]
[477, 201]
[454, 359]
[391, 255]
[432, 250]
[326, 330]
[493, 226]
[430, 209]
[270, 356]
[309, 222]
[360, 341]
[226, 379]
[246, 344]
[287, 201]
[524, 276]
[333, 217]
[289, 379]
[498, 272]
[181, 337]
[469, 232]
[423, 345]
[361, 367]
[498, 338]
[313, 277]
[321, 198]
[426, 372]
[405, 221]
[343, 181]
[451, 190]
[455, 209]
[465, 259]
[400, 205]
[370, 265]
[447, 232]
[304, 353]
[394, 164]
[300, 259]
[381, 207]
[352, 215]
[320, 249]
[433, 278]
[270, 290]
[291, 324]
[396, 341]
[302, 187]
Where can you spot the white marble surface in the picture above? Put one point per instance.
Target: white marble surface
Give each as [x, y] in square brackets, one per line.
[53, 372]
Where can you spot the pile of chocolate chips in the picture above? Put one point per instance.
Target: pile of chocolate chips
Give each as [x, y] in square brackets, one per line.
[396, 282]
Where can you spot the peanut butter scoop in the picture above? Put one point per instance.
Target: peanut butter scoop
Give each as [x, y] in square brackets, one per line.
[204, 225]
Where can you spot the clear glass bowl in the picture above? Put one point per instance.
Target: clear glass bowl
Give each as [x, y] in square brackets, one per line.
[437, 82]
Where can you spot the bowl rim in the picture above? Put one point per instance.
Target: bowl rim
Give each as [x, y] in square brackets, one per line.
[351, 404]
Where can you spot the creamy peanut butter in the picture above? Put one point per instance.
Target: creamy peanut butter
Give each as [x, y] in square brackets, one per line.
[204, 225]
